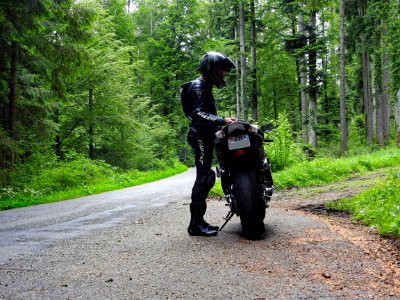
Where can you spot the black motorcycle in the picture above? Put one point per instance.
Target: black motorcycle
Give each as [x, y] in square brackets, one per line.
[245, 175]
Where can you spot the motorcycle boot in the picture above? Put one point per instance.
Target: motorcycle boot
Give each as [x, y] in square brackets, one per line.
[203, 208]
[197, 226]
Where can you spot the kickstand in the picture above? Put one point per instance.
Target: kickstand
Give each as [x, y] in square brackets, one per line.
[227, 218]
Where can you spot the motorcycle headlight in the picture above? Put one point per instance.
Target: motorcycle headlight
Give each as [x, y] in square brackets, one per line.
[220, 134]
[253, 128]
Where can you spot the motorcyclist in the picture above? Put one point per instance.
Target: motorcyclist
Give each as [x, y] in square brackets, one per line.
[199, 106]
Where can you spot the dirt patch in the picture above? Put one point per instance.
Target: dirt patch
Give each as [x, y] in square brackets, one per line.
[361, 259]
[342, 219]
[384, 250]
[321, 209]
[327, 192]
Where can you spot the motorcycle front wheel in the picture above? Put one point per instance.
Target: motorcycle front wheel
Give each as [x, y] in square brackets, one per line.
[251, 208]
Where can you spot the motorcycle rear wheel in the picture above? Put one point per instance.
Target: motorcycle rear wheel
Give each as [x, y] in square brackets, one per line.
[251, 208]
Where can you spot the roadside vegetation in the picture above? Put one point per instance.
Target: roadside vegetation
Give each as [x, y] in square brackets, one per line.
[80, 177]
[327, 170]
[377, 207]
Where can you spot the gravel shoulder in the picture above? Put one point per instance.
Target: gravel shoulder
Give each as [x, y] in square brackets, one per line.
[307, 254]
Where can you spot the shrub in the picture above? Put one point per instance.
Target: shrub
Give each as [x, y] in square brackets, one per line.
[283, 151]
[63, 175]
[77, 178]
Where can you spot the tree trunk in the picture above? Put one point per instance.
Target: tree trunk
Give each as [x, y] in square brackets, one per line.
[368, 108]
[237, 62]
[238, 109]
[313, 89]
[3, 96]
[3, 108]
[57, 146]
[254, 94]
[12, 111]
[385, 89]
[303, 86]
[12, 108]
[343, 115]
[91, 129]
[238, 104]
[242, 60]
[378, 100]
[324, 76]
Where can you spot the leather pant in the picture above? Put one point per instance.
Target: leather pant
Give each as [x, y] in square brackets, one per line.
[203, 148]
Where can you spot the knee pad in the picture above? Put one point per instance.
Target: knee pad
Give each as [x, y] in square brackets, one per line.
[209, 179]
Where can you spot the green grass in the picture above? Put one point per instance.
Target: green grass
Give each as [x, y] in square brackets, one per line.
[378, 207]
[78, 179]
[216, 191]
[327, 170]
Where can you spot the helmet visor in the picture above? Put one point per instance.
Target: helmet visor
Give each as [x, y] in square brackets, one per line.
[226, 65]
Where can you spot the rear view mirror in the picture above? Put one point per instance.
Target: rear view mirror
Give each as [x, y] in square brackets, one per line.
[267, 127]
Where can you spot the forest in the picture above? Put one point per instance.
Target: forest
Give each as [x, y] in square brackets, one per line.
[99, 80]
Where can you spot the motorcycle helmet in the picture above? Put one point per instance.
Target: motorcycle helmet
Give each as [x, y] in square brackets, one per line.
[210, 66]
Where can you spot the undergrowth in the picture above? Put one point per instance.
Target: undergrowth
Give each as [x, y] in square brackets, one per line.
[378, 207]
[78, 178]
[326, 170]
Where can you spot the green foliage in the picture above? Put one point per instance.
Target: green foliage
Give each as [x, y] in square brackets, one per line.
[283, 151]
[80, 177]
[378, 207]
[359, 124]
[216, 190]
[276, 70]
[49, 39]
[134, 63]
[7, 145]
[324, 170]
[66, 175]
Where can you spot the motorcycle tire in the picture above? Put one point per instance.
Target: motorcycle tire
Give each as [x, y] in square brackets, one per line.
[251, 208]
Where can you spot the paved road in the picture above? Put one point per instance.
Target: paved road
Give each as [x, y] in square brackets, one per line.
[133, 244]
[29, 230]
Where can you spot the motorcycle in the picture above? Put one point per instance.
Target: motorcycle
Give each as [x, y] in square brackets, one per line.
[245, 174]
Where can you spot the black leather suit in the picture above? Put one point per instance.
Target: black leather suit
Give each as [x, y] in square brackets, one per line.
[201, 137]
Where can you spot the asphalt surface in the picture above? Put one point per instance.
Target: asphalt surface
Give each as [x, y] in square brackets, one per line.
[133, 244]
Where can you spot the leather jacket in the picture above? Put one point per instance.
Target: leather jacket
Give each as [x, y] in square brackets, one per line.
[204, 119]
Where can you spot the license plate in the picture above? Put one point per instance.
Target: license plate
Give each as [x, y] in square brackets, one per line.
[238, 142]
